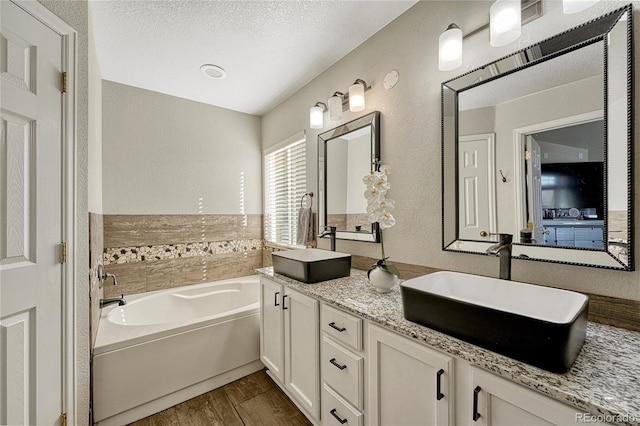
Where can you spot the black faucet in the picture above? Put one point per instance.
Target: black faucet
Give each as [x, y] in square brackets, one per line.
[503, 250]
[331, 231]
[119, 300]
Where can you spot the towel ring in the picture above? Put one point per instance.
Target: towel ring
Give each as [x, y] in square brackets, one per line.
[310, 195]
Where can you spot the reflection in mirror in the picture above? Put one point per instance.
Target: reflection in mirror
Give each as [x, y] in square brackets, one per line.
[347, 153]
[525, 150]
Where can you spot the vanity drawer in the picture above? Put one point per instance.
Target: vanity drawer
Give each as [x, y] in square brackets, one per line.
[342, 327]
[335, 410]
[343, 371]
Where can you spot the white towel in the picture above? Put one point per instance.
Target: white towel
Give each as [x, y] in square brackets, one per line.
[305, 226]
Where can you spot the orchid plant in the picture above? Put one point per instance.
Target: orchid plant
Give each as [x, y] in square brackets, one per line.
[379, 208]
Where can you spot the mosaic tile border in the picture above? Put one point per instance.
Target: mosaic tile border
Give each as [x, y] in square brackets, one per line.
[120, 255]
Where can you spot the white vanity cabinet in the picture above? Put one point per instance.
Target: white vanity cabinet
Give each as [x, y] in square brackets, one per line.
[409, 383]
[342, 363]
[499, 402]
[289, 343]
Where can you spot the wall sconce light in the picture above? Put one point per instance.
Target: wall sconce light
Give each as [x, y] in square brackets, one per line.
[335, 106]
[356, 95]
[506, 18]
[316, 115]
[575, 6]
[450, 48]
[505, 22]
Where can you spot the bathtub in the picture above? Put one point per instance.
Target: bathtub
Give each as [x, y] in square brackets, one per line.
[167, 346]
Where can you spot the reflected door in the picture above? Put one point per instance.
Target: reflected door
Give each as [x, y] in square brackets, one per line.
[476, 187]
[534, 186]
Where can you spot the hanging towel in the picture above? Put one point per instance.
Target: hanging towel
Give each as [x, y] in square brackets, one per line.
[305, 226]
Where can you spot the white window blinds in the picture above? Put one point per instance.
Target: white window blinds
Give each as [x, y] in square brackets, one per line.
[285, 183]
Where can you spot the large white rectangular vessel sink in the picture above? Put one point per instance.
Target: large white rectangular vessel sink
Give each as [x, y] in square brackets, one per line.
[311, 265]
[542, 326]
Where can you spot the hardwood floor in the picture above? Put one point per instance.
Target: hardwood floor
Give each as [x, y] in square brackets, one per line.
[252, 400]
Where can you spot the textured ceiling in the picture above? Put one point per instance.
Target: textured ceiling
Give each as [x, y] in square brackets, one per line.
[270, 49]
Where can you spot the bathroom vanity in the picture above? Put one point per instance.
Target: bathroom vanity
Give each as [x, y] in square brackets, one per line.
[346, 355]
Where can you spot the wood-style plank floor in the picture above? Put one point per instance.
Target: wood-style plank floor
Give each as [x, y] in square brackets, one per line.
[252, 400]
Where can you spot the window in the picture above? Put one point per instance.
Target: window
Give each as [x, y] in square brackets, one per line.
[285, 182]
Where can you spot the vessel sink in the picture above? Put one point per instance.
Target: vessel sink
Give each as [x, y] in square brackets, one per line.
[541, 326]
[311, 265]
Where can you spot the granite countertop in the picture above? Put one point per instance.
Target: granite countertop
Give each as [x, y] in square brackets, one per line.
[604, 379]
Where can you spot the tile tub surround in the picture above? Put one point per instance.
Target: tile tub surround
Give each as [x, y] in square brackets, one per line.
[96, 238]
[604, 379]
[152, 252]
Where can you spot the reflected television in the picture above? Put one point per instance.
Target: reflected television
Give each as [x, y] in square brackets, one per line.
[579, 185]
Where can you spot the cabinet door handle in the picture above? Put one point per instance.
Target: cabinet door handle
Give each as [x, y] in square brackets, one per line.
[476, 415]
[283, 297]
[333, 361]
[439, 394]
[337, 417]
[333, 325]
[275, 299]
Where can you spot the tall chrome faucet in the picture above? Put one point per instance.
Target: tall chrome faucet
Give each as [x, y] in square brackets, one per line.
[331, 231]
[503, 250]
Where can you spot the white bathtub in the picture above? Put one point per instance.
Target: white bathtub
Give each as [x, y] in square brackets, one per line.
[167, 346]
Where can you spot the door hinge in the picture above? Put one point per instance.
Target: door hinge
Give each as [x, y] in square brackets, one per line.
[64, 82]
[63, 419]
[63, 252]
[527, 155]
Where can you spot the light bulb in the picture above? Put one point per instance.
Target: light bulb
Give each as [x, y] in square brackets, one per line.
[505, 19]
[335, 106]
[450, 48]
[356, 96]
[316, 117]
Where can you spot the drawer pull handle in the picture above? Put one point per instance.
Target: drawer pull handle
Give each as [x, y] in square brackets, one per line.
[333, 325]
[333, 361]
[284, 308]
[439, 394]
[476, 415]
[337, 417]
[275, 299]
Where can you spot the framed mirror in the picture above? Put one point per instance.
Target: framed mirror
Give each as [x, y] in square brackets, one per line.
[539, 145]
[346, 154]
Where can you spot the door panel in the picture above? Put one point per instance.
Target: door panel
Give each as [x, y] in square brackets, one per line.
[31, 279]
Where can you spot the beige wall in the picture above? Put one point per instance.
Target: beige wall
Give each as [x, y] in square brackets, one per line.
[410, 134]
[75, 13]
[166, 155]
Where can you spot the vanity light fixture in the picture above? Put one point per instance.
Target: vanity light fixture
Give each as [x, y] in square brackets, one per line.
[335, 106]
[316, 115]
[506, 18]
[575, 6]
[356, 95]
[505, 22]
[450, 48]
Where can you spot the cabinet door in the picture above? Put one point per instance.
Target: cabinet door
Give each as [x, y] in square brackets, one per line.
[272, 327]
[302, 350]
[497, 401]
[409, 383]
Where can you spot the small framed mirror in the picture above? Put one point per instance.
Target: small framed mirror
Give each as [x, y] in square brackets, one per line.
[539, 145]
[346, 154]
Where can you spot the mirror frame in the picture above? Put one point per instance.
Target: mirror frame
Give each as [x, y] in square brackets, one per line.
[373, 120]
[594, 31]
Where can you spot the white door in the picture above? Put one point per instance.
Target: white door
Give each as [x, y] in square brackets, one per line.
[31, 281]
[534, 188]
[272, 327]
[476, 187]
[302, 350]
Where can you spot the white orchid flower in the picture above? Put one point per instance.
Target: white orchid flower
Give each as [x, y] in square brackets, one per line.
[386, 170]
[368, 179]
[386, 220]
[373, 194]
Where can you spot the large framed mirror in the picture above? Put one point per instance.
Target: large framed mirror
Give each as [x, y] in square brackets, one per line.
[539, 145]
[346, 154]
